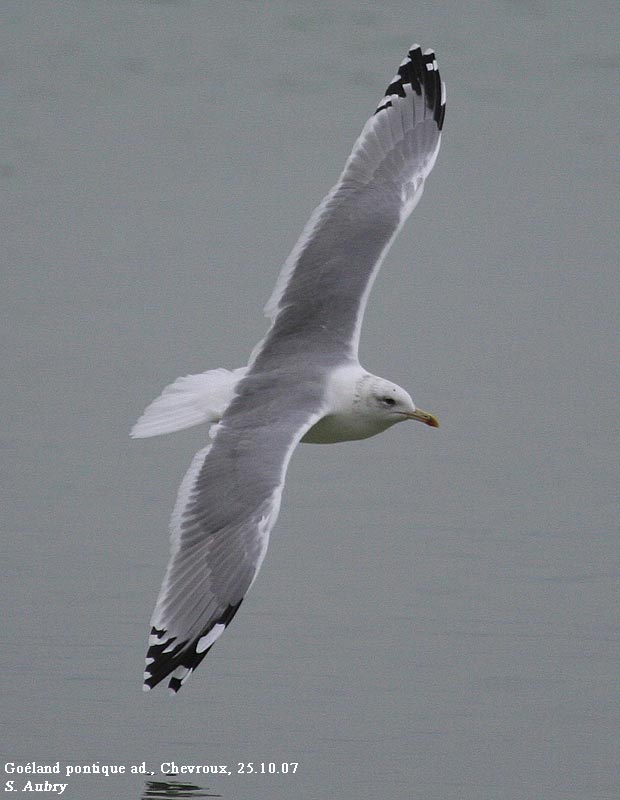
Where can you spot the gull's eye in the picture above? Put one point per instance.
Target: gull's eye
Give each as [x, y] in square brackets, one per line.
[389, 401]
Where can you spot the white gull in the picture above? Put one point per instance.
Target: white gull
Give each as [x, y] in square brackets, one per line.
[303, 382]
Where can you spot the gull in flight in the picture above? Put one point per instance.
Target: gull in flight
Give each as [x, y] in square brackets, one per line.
[303, 382]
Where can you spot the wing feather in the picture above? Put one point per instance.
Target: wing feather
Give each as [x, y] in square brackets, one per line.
[226, 507]
[324, 284]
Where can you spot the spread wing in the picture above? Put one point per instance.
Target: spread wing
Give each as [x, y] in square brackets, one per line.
[227, 505]
[324, 285]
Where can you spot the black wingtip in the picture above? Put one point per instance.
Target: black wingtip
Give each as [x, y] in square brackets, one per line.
[420, 71]
[164, 657]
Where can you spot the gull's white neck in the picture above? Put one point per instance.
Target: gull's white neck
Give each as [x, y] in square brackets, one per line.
[344, 419]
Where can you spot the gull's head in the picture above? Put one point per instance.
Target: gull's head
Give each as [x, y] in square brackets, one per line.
[362, 405]
[389, 403]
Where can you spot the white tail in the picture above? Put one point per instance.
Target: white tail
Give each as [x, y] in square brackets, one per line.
[189, 401]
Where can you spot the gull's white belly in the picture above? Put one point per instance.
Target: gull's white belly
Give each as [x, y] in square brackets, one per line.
[344, 428]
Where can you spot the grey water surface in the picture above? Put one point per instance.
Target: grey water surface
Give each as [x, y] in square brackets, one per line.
[437, 616]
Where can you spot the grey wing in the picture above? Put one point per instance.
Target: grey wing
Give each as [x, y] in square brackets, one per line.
[227, 505]
[324, 285]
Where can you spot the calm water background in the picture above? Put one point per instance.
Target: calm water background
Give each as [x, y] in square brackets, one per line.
[437, 617]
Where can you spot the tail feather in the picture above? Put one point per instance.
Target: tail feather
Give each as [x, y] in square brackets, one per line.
[190, 400]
